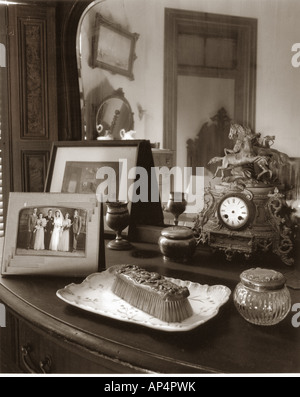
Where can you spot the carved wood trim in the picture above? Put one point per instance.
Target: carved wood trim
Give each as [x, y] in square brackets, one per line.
[34, 169]
[209, 142]
[32, 85]
[69, 112]
[33, 64]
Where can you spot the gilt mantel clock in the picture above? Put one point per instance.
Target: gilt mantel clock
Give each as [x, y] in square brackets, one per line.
[246, 212]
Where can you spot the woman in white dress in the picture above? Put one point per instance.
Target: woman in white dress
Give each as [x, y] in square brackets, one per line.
[57, 229]
[64, 242]
[39, 242]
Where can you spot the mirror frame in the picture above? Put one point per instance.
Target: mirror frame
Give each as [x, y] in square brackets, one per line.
[69, 14]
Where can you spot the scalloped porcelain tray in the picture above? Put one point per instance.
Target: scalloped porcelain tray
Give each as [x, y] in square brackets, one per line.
[94, 295]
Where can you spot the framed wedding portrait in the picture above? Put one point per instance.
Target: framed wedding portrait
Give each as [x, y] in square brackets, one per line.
[51, 233]
[113, 47]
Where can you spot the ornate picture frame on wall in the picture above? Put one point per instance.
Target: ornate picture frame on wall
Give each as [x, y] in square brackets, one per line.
[113, 47]
[52, 234]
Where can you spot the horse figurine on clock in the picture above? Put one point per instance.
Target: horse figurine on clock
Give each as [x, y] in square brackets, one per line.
[247, 212]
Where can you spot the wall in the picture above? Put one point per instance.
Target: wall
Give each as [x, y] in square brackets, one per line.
[278, 83]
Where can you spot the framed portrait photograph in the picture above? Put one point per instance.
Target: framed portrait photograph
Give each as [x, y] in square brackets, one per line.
[104, 169]
[83, 167]
[51, 233]
[108, 170]
[113, 47]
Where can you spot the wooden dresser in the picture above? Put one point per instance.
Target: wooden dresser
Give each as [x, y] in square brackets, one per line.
[44, 334]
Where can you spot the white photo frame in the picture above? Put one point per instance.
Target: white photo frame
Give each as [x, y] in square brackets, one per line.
[23, 253]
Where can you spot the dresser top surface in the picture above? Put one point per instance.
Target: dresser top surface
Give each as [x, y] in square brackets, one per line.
[226, 343]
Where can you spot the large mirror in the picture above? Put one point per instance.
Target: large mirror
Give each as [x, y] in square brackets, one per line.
[177, 89]
[181, 73]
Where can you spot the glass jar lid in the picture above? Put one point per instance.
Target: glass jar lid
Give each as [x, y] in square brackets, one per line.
[262, 279]
[177, 232]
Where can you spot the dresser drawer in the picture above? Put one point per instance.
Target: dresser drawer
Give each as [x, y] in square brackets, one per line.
[40, 352]
[8, 342]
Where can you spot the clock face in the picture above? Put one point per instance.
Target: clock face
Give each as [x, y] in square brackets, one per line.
[234, 212]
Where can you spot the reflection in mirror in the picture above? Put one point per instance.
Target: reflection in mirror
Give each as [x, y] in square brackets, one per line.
[192, 60]
[113, 117]
[98, 83]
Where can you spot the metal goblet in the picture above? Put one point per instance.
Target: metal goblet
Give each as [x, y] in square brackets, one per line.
[176, 205]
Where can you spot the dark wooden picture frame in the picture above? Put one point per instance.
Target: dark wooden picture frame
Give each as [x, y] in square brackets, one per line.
[139, 154]
[113, 47]
[89, 154]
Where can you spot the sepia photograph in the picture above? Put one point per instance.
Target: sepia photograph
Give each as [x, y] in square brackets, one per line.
[150, 191]
[83, 176]
[51, 234]
[51, 231]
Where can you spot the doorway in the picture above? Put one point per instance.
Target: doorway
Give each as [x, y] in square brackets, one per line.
[210, 63]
